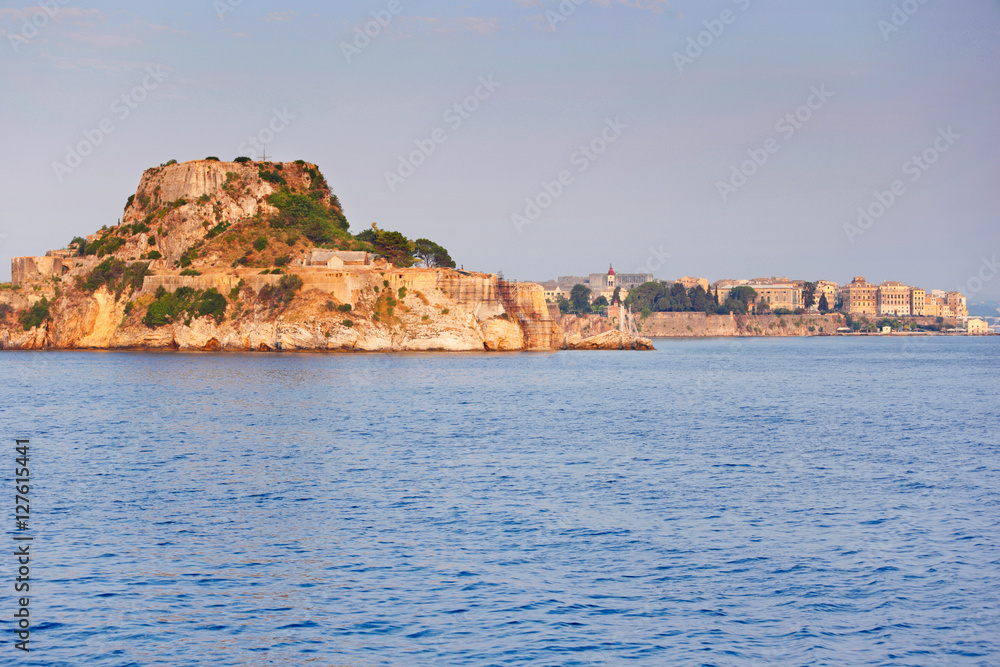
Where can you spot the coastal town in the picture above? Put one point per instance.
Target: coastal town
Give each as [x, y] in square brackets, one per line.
[905, 307]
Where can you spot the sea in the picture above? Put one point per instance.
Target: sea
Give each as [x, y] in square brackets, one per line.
[771, 501]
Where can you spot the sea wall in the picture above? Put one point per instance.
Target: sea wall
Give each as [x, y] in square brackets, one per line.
[702, 325]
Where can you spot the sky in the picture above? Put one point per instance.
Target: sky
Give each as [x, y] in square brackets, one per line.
[719, 139]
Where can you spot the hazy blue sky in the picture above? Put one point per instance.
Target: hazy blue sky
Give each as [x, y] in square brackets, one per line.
[188, 79]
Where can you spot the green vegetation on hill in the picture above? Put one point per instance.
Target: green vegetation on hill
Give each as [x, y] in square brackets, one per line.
[321, 224]
[280, 295]
[106, 245]
[116, 275]
[35, 316]
[185, 303]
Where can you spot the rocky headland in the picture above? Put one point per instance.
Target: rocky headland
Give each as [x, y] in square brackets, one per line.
[251, 256]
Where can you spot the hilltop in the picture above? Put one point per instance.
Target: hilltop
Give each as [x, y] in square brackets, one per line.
[208, 213]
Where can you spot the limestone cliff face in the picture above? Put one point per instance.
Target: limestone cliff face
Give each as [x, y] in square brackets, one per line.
[425, 315]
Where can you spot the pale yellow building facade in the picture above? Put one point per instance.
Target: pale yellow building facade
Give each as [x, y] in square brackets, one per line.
[786, 296]
[977, 327]
[893, 299]
[859, 297]
[957, 304]
[918, 301]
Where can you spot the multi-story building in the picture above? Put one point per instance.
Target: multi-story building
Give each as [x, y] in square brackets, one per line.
[690, 282]
[629, 280]
[601, 282]
[977, 327]
[612, 279]
[893, 299]
[778, 295]
[553, 291]
[829, 290]
[859, 297]
[725, 287]
[918, 302]
[938, 307]
[956, 301]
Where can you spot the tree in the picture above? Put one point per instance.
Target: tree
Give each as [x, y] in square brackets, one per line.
[579, 299]
[80, 245]
[700, 300]
[600, 303]
[824, 305]
[565, 306]
[616, 298]
[733, 306]
[745, 294]
[679, 299]
[431, 254]
[394, 247]
[809, 294]
[644, 296]
[368, 236]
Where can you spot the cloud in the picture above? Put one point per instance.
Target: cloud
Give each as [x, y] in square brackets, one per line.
[646, 5]
[102, 40]
[59, 62]
[278, 16]
[160, 28]
[650, 5]
[477, 24]
[38, 14]
[481, 25]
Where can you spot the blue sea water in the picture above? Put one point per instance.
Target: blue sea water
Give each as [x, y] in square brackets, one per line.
[826, 501]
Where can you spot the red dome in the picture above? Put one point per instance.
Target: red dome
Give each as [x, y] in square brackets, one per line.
[611, 271]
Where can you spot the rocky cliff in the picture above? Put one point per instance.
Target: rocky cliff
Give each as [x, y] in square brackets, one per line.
[216, 256]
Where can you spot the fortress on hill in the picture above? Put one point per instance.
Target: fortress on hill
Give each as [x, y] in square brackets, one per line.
[244, 255]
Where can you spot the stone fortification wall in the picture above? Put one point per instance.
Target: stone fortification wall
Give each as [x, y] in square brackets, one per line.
[34, 268]
[702, 325]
